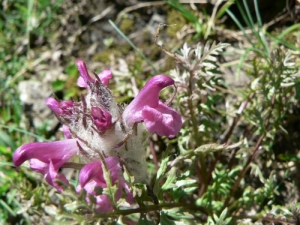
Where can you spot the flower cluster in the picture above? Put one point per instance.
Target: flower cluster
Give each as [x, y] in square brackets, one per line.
[96, 128]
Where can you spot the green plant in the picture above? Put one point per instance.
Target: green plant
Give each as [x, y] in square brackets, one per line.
[236, 154]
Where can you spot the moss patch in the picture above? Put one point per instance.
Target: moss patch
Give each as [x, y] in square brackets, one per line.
[175, 17]
[127, 26]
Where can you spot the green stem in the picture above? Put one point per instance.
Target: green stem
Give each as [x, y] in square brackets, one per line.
[196, 130]
[150, 208]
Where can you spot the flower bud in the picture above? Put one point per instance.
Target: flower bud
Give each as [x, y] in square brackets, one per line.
[101, 118]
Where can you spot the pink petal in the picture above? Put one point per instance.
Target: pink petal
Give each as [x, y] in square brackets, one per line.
[59, 108]
[81, 82]
[50, 172]
[103, 204]
[162, 120]
[149, 95]
[105, 76]
[158, 117]
[92, 171]
[85, 77]
[53, 175]
[53, 104]
[67, 132]
[88, 187]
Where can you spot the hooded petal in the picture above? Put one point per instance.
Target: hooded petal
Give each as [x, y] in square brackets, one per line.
[146, 107]
[85, 77]
[47, 158]
[56, 151]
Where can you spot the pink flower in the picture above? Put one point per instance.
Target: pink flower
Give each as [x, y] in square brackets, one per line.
[85, 77]
[47, 158]
[91, 176]
[97, 124]
[146, 107]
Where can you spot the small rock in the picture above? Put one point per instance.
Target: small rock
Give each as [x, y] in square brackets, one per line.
[32, 96]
